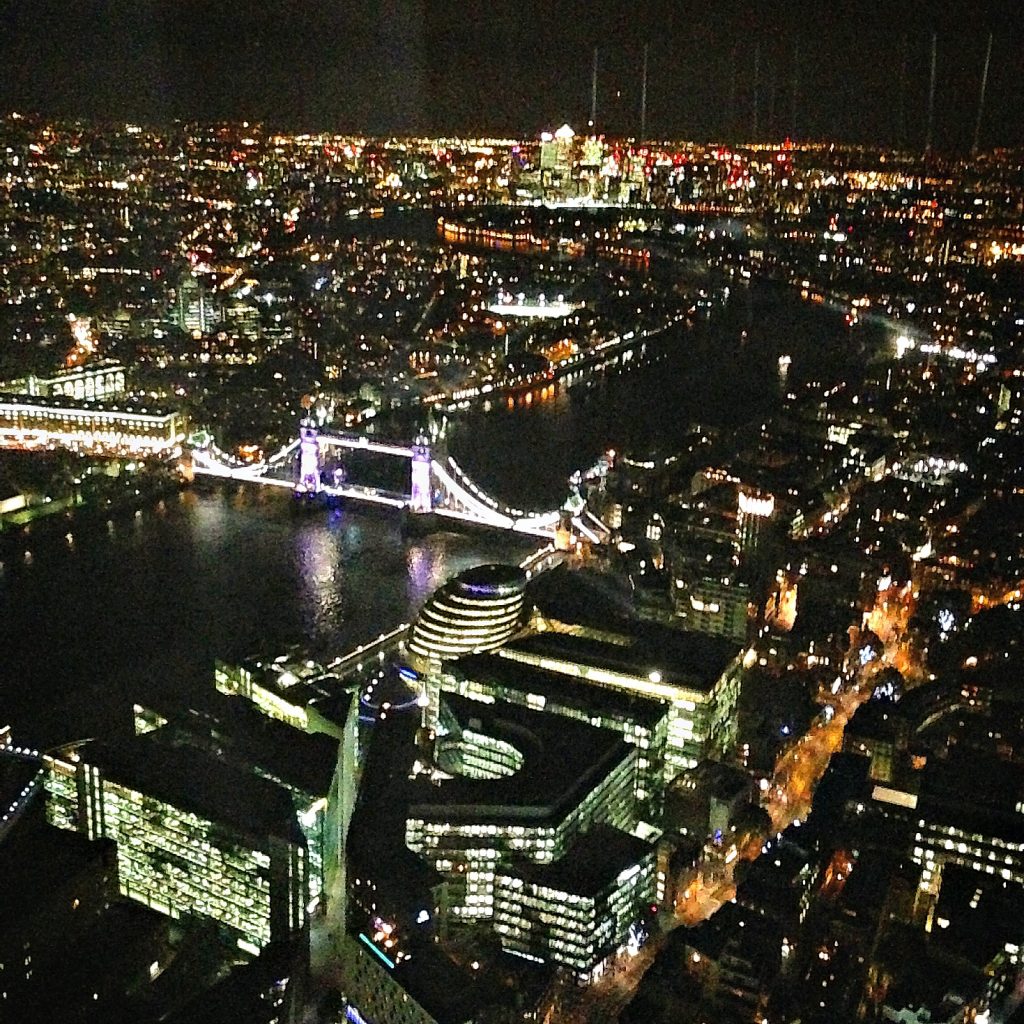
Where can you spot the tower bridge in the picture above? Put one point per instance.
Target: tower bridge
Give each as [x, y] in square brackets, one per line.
[437, 486]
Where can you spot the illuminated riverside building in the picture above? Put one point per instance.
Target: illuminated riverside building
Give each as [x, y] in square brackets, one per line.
[478, 610]
[316, 769]
[515, 784]
[306, 741]
[92, 428]
[95, 382]
[194, 836]
[582, 909]
[695, 677]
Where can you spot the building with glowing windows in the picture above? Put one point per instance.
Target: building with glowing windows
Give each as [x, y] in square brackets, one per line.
[478, 610]
[717, 606]
[582, 909]
[694, 677]
[316, 769]
[514, 783]
[92, 428]
[671, 694]
[487, 678]
[753, 510]
[97, 381]
[966, 812]
[194, 836]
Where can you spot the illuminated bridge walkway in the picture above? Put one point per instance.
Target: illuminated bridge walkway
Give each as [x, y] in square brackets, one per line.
[437, 487]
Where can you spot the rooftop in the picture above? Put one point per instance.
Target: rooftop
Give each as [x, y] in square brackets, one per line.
[495, 670]
[194, 782]
[694, 661]
[563, 760]
[79, 405]
[231, 728]
[977, 915]
[492, 577]
[593, 862]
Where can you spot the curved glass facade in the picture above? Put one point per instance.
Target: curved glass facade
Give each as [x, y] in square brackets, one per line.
[478, 610]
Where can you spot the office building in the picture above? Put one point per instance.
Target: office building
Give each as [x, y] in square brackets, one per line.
[753, 511]
[315, 768]
[92, 428]
[644, 724]
[718, 606]
[582, 909]
[477, 610]
[293, 690]
[195, 310]
[695, 677]
[516, 783]
[300, 731]
[194, 836]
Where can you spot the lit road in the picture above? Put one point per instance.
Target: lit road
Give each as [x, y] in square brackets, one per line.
[787, 799]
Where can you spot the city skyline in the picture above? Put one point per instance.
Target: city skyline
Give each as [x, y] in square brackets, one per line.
[511, 572]
[810, 71]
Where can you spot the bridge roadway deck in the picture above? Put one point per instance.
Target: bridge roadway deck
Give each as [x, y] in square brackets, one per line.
[480, 509]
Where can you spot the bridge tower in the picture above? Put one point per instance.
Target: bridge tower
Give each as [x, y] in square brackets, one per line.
[310, 464]
[422, 498]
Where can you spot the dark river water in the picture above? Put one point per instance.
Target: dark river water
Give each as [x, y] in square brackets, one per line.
[145, 604]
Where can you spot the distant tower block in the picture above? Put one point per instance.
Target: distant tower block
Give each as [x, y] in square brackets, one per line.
[755, 509]
[309, 458]
[422, 492]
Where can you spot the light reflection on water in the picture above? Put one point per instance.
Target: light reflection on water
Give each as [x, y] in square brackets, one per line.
[145, 607]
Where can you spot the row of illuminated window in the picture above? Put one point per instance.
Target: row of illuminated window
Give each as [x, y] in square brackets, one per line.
[436, 614]
[611, 801]
[180, 827]
[100, 421]
[474, 689]
[640, 735]
[217, 867]
[179, 887]
[951, 831]
[469, 611]
[160, 862]
[479, 605]
[455, 639]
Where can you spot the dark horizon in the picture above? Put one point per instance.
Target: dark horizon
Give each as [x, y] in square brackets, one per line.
[514, 68]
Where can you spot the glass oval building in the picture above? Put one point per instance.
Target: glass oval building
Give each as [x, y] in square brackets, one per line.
[478, 610]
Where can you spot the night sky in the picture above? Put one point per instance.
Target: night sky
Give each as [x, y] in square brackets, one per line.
[516, 66]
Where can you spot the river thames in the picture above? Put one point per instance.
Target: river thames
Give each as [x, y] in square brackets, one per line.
[144, 604]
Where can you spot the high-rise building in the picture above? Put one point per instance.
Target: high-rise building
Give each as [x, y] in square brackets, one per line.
[195, 309]
[307, 743]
